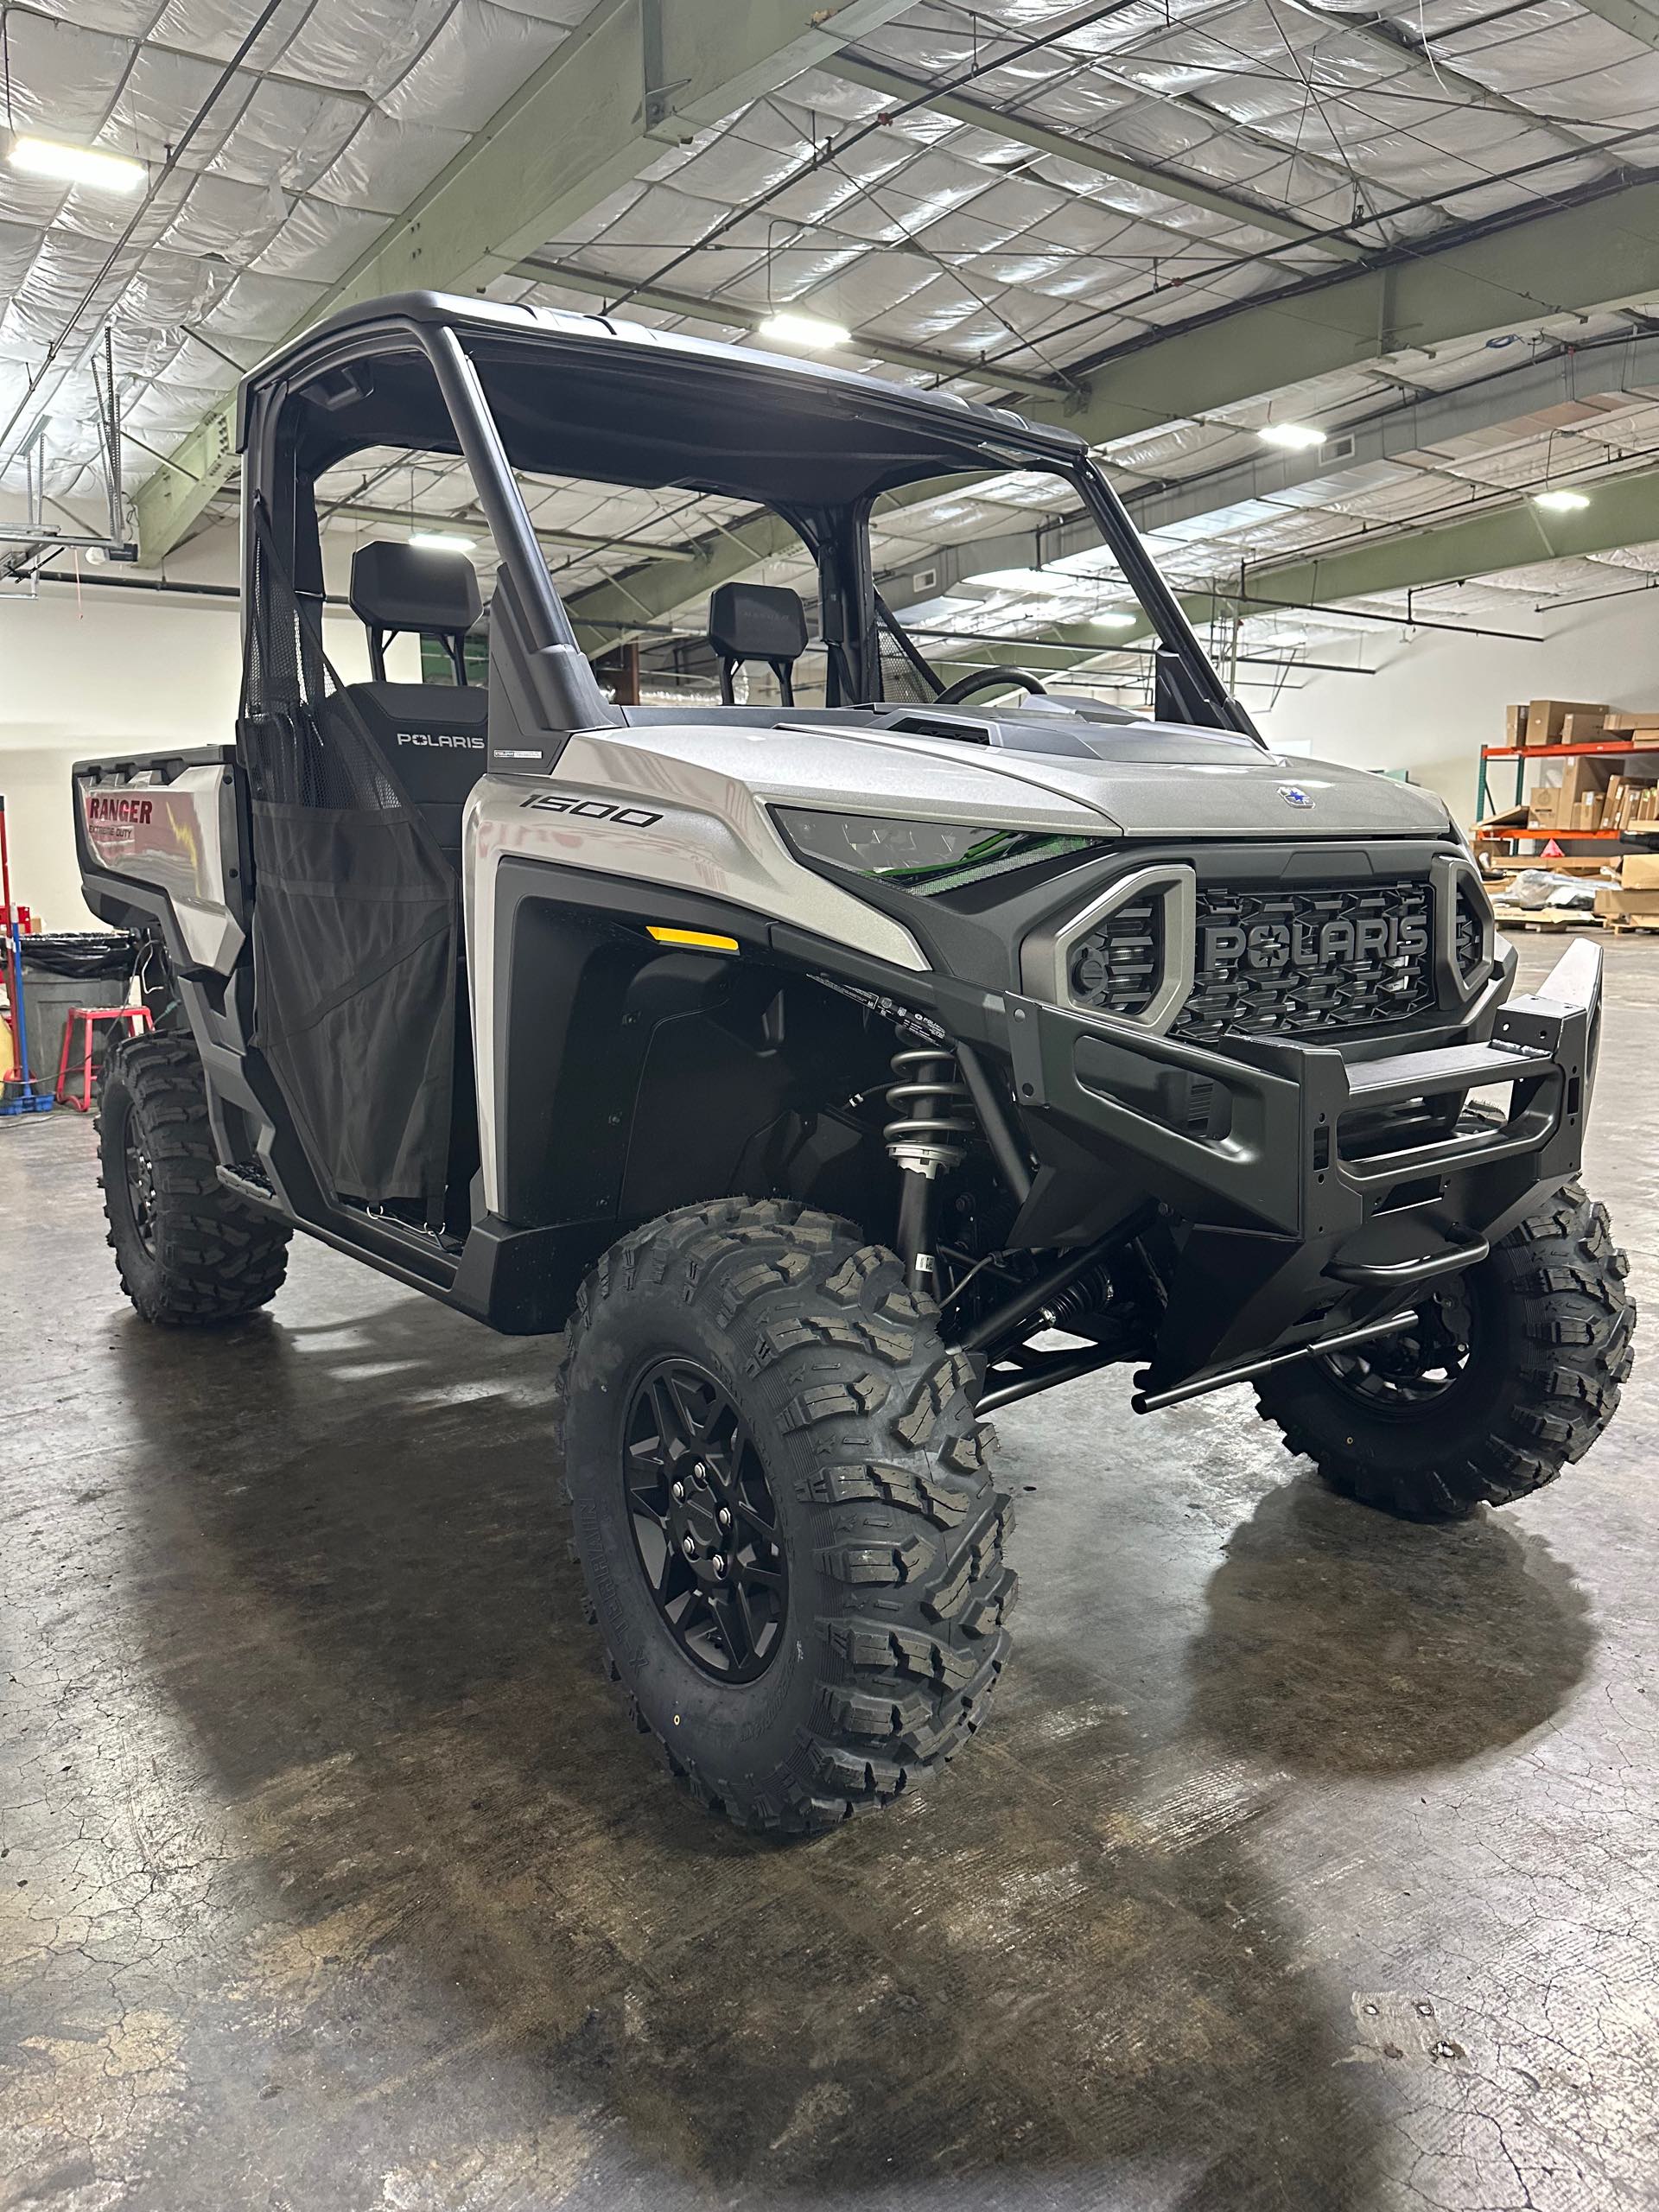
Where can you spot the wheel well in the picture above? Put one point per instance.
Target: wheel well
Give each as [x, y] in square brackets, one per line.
[637, 1078]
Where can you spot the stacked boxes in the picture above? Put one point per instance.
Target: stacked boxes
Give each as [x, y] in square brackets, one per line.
[1635, 895]
[1596, 792]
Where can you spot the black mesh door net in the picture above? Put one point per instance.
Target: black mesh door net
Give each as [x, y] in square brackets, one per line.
[355, 917]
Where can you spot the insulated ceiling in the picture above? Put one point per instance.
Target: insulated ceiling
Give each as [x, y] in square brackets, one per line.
[1266, 142]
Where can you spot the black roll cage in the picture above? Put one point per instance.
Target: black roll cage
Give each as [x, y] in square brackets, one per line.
[838, 440]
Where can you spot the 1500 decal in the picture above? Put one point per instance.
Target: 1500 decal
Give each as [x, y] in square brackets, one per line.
[594, 809]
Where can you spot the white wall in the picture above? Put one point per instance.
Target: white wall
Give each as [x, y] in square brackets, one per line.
[122, 670]
[113, 672]
[1436, 698]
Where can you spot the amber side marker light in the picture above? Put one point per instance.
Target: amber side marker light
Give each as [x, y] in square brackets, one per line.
[703, 940]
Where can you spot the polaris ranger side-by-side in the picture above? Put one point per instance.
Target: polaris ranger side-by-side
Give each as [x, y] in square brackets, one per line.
[829, 1075]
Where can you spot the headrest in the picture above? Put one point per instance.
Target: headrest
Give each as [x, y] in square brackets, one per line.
[413, 587]
[756, 622]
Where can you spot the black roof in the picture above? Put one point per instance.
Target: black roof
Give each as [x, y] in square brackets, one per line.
[582, 395]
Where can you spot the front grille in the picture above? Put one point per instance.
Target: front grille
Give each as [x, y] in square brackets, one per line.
[1275, 961]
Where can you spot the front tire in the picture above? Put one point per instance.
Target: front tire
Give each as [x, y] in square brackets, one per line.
[835, 1638]
[189, 1253]
[1512, 1373]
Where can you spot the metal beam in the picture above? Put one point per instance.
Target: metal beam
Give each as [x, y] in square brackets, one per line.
[1595, 253]
[607, 612]
[568, 541]
[876, 77]
[596, 284]
[1401, 44]
[1637, 20]
[1566, 261]
[1407, 428]
[637, 75]
[1623, 511]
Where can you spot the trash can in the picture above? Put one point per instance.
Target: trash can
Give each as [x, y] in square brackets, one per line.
[47, 1001]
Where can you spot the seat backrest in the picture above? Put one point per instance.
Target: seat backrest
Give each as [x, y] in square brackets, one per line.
[432, 737]
[397, 588]
[756, 622]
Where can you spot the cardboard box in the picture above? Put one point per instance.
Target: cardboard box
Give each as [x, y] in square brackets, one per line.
[1547, 718]
[1579, 729]
[1639, 872]
[1515, 725]
[1617, 905]
[1576, 802]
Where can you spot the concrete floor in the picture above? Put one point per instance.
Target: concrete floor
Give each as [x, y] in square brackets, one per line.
[1307, 1862]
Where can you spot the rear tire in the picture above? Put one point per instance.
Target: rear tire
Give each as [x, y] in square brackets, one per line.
[1545, 1324]
[189, 1253]
[848, 1447]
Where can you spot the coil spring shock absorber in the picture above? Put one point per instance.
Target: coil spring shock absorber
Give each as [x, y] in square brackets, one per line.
[934, 1122]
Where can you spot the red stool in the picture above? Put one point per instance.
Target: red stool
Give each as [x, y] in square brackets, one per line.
[87, 1015]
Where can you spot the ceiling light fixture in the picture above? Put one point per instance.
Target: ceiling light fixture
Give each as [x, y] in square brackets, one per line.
[1114, 618]
[75, 164]
[1026, 580]
[1295, 437]
[1561, 501]
[804, 330]
[441, 541]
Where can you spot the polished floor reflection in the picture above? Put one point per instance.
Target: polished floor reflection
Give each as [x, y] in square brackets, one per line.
[1308, 1862]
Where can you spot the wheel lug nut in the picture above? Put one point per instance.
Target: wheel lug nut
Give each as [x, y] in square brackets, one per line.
[724, 1517]
[678, 1493]
[718, 1563]
[689, 1546]
[699, 1470]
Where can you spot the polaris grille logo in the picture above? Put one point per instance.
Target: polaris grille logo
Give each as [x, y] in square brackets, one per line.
[1310, 946]
[458, 740]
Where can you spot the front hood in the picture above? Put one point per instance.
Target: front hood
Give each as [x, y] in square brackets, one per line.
[1059, 771]
[1161, 779]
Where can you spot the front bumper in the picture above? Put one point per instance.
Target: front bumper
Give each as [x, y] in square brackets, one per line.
[1320, 1190]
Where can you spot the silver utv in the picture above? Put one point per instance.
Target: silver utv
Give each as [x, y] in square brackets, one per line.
[828, 1071]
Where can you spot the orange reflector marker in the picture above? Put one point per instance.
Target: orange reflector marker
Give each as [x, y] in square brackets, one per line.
[702, 940]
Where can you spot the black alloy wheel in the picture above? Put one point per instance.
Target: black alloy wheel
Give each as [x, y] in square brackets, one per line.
[1507, 1375]
[1404, 1375]
[140, 1170]
[704, 1522]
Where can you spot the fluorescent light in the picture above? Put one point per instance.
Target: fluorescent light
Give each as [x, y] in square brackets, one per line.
[76, 164]
[1296, 437]
[441, 541]
[1561, 501]
[1114, 618]
[804, 330]
[1026, 580]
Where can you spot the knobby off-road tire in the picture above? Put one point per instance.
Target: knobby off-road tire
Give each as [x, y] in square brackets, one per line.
[190, 1254]
[1550, 1324]
[891, 1632]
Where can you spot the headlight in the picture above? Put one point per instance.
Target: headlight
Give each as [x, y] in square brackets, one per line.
[924, 857]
